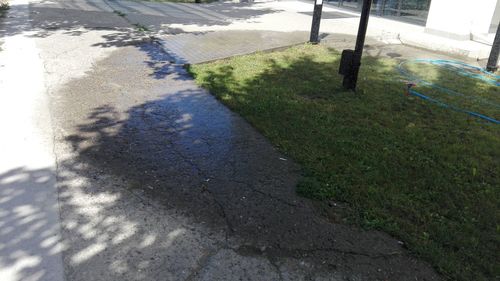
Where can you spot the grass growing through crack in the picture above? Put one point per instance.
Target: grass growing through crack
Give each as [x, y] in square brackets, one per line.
[4, 7]
[140, 27]
[426, 174]
[121, 14]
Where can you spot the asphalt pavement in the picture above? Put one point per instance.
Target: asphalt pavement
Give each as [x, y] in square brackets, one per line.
[145, 175]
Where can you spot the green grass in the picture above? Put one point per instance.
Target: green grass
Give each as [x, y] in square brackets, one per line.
[425, 174]
[141, 27]
[4, 7]
[119, 13]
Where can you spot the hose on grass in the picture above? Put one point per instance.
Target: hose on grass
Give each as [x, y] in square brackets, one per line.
[459, 68]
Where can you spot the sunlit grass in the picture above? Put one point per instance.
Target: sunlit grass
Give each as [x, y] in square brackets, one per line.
[426, 174]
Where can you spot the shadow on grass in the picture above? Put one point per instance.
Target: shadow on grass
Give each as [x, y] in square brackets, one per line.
[421, 172]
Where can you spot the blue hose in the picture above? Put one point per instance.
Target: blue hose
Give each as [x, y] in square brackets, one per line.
[466, 70]
[415, 93]
[462, 69]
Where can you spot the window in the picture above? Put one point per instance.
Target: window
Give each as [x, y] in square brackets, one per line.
[412, 11]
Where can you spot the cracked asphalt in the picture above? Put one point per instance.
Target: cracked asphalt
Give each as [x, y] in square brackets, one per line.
[157, 180]
[172, 145]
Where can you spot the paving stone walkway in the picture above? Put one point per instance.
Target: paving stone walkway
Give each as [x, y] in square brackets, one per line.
[202, 47]
[199, 47]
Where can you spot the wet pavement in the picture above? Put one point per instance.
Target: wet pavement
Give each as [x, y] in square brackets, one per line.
[141, 123]
[171, 143]
[157, 180]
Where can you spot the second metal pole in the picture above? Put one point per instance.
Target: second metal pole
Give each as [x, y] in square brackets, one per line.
[495, 51]
[316, 20]
[351, 79]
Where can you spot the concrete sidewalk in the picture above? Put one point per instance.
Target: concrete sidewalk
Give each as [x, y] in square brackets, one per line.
[248, 27]
[30, 241]
[287, 22]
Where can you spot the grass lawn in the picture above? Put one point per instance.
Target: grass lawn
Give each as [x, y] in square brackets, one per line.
[423, 173]
[4, 6]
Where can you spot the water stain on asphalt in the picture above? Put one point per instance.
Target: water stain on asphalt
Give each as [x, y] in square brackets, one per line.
[137, 116]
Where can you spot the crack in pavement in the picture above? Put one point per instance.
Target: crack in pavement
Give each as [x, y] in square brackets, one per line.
[202, 263]
[124, 120]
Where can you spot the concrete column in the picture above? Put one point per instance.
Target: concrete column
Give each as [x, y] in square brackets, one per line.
[483, 15]
[496, 19]
[458, 19]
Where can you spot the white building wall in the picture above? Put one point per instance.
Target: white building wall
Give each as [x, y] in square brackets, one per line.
[496, 19]
[459, 19]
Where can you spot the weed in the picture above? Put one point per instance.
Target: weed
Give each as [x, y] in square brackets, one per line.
[121, 14]
[4, 7]
[141, 27]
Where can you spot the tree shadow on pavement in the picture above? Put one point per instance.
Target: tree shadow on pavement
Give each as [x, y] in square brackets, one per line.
[49, 16]
[108, 233]
[62, 19]
[175, 147]
[157, 16]
[159, 176]
[26, 226]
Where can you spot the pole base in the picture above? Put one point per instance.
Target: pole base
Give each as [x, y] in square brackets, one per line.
[316, 20]
[492, 69]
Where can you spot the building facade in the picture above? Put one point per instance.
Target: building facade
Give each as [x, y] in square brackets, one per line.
[456, 19]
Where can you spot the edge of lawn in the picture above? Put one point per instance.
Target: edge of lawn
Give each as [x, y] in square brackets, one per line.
[323, 202]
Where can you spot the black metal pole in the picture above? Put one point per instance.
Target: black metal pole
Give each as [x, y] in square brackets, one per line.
[318, 7]
[495, 51]
[351, 78]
